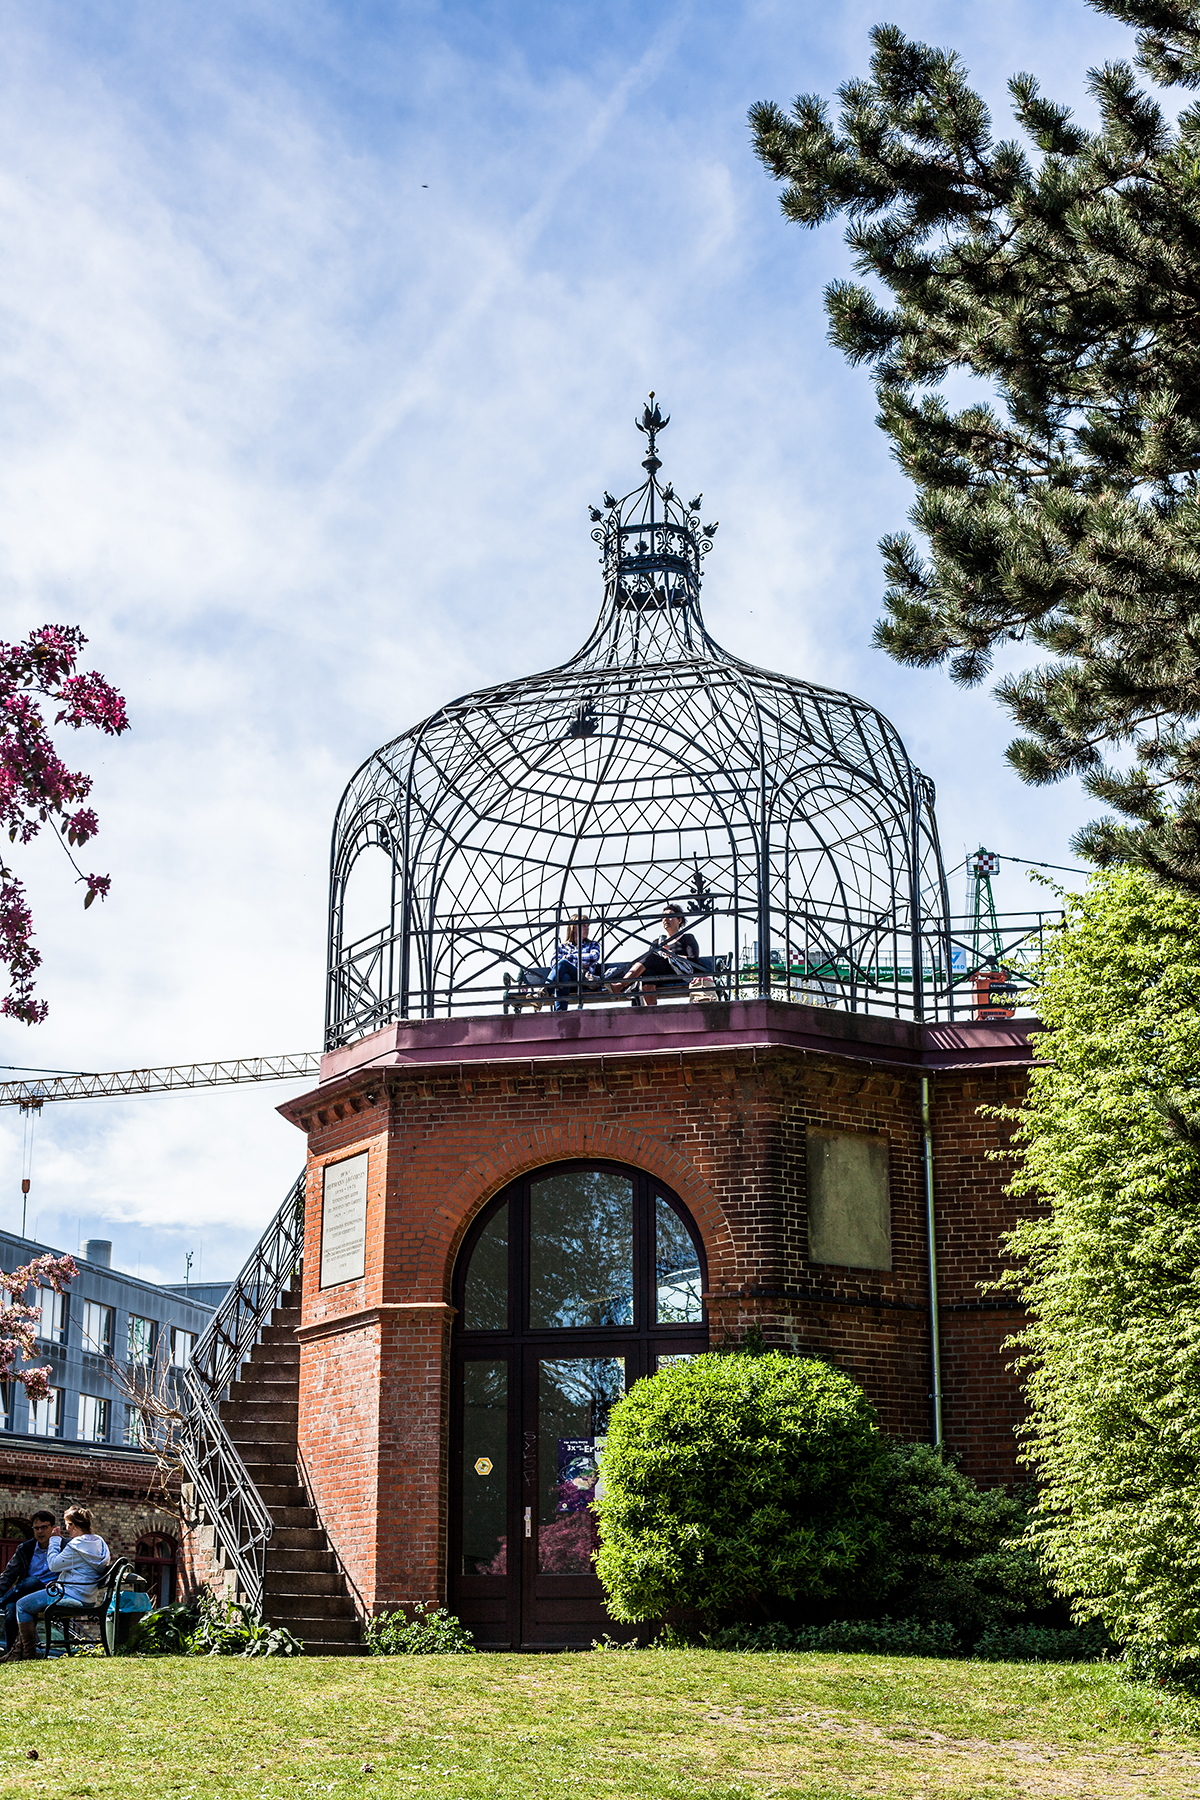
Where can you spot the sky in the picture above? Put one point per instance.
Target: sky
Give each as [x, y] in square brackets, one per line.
[320, 327]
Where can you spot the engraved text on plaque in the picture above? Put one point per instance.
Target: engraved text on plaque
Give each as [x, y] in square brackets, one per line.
[344, 1221]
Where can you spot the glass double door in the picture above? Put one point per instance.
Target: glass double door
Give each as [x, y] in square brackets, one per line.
[616, 1259]
[532, 1427]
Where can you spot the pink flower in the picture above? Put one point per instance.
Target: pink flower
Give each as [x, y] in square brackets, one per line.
[19, 1321]
[36, 785]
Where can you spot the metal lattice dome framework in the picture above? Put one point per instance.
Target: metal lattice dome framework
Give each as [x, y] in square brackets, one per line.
[652, 766]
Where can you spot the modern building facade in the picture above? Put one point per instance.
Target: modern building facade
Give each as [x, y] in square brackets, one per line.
[82, 1443]
[104, 1317]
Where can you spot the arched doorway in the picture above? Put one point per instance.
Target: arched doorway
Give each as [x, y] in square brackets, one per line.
[155, 1560]
[573, 1282]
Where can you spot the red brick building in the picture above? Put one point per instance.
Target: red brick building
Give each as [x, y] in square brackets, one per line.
[514, 1213]
[762, 1165]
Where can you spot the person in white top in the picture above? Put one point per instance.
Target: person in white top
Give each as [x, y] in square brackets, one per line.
[80, 1565]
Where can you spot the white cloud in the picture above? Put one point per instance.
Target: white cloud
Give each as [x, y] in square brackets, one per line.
[319, 328]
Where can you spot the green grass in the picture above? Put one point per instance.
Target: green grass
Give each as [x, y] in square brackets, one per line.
[656, 1725]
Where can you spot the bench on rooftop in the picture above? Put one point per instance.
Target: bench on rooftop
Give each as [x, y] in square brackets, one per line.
[531, 986]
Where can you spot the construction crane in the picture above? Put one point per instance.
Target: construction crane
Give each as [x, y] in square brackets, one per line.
[993, 991]
[32, 1095]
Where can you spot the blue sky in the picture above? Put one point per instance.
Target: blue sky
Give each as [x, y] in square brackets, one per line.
[320, 326]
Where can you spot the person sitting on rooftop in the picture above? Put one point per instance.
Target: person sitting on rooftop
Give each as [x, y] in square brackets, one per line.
[576, 957]
[674, 958]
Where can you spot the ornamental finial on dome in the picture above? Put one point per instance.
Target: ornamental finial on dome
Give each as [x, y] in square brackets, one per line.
[650, 424]
[652, 543]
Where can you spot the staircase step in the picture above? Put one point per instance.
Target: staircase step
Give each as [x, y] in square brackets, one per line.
[265, 1433]
[282, 1404]
[275, 1471]
[265, 1412]
[284, 1561]
[288, 1517]
[327, 1609]
[284, 1496]
[302, 1583]
[298, 1537]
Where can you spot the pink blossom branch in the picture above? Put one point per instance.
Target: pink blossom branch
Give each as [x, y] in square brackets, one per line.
[36, 786]
[19, 1321]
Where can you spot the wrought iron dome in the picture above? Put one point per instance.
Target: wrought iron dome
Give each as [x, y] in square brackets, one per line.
[786, 818]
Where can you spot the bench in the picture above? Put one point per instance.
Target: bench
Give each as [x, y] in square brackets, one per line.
[529, 986]
[113, 1618]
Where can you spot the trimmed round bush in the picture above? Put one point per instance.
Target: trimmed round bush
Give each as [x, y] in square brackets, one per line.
[734, 1484]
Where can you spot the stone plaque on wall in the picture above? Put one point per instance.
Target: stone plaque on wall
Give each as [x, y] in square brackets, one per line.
[849, 1203]
[344, 1221]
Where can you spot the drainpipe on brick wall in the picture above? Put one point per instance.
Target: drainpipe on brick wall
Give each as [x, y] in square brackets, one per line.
[931, 1231]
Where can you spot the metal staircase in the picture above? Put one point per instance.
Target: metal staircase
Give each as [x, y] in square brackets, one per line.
[238, 1446]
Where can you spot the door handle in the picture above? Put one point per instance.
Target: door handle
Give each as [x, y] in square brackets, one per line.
[529, 1521]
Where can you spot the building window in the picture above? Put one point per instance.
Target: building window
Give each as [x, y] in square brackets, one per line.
[46, 1416]
[135, 1428]
[97, 1328]
[155, 1561]
[55, 1313]
[182, 1343]
[93, 1420]
[142, 1335]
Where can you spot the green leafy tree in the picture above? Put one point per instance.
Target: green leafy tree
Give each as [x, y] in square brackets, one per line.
[1060, 512]
[734, 1484]
[1109, 1271]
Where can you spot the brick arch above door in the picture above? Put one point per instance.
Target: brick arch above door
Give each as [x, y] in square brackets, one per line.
[577, 1140]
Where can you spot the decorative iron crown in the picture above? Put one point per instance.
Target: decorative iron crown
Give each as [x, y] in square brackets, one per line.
[651, 542]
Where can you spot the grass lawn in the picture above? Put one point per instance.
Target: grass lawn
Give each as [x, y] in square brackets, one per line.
[671, 1724]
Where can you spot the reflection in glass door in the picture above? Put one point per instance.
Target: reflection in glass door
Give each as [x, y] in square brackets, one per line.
[485, 1468]
[572, 1284]
[575, 1396]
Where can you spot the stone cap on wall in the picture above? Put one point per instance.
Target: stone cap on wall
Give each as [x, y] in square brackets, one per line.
[689, 1030]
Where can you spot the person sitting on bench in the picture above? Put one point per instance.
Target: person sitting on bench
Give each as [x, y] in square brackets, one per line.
[26, 1571]
[675, 958]
[80, 1566]
[575, 957]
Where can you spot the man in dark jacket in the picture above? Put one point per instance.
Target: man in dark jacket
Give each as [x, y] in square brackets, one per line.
[26, 1570]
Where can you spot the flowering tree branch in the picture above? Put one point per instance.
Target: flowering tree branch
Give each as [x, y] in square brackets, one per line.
[37, 787]
[19, 1321]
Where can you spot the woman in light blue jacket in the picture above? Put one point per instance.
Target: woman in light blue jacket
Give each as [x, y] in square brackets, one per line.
[80, 1565]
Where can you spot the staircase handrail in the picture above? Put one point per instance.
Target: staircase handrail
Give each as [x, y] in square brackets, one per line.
[224, 1486]
[225, 1489]
[233, 1331]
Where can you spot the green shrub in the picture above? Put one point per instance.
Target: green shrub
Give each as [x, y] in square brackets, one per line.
[735, 1484]
[430, 1632]
[876, 1637]
[164, 1631]
[1042, 1643]
[226, 1629]
[206, 1626]
[1163, 1665]
[953, 1553]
